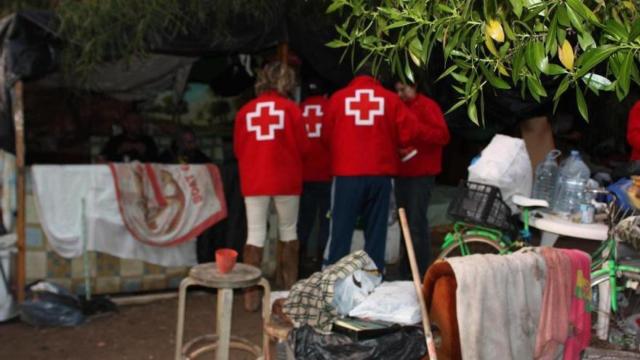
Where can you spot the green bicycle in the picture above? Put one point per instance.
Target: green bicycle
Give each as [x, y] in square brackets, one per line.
[485, 224]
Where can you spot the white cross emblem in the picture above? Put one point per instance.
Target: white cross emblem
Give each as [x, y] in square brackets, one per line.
[271, 126]
[316, 132]
[356, 106]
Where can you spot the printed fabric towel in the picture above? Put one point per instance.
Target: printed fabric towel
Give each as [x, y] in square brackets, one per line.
[165, 205]
[498, 304]
[310, 301]
[553, 328]
[580, 314]
[59, 192]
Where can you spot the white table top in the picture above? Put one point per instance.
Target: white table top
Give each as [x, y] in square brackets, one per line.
[558, 225]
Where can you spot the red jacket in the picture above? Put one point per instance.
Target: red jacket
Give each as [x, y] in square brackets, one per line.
[269, 141]
[428, 160]
[366, 125]
[317, 162]
[633, 131]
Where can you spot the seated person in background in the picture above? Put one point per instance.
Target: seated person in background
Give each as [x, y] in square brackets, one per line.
[132, 144]
[184, 149]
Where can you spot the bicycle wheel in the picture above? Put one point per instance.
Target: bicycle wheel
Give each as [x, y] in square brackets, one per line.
[475, 244]
[619, 328]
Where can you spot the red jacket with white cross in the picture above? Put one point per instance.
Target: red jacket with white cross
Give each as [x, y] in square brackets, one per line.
[269, 141]
[366, 126]
[428, 160]
[317, 162]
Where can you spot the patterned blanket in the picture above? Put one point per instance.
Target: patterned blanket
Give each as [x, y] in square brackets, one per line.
[311, 300]
[165, 205]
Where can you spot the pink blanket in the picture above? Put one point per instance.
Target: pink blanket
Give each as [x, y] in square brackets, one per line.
[553, 327]
[165, 205]
[579, 316]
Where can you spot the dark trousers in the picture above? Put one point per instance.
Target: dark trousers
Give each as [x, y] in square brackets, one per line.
[314, 204]
[365, 196]
[413, 194]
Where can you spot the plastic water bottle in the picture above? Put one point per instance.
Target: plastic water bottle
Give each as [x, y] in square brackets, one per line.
[546, 177]
[570, 186]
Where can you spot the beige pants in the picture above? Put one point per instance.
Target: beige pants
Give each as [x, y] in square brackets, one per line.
[258, 215]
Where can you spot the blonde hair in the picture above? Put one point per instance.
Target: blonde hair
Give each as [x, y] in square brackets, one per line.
[275, 76]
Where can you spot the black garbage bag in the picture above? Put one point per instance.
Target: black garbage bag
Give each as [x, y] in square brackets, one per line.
[405, 344]
[48, 305]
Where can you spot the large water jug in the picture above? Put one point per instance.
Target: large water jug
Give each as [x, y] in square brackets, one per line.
[546, 176]
[570, 186]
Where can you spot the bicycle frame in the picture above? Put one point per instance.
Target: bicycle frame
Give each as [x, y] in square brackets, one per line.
[461, 229]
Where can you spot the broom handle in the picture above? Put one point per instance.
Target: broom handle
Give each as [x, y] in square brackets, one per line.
[431, 347]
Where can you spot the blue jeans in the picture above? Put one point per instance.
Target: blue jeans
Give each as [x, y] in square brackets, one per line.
[354, 196]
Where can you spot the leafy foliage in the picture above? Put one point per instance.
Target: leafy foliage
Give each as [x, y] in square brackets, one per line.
[98, 31]
[585, 45]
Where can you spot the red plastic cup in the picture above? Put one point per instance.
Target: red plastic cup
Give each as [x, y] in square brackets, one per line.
[226, 260]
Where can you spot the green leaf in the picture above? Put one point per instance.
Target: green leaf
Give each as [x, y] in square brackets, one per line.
[517, 64]
[397, 24]
[582, 104]
[336, 44]
[446, 73]
[494, 80]
[554, 69]
[635, 30]
[564, 85]
[579, 7]
[536, 88]
[335, 5]
[408, 72]
[586, 41]
[472, 112]
[597, 82]
[456, 106]
[624, 78]
[575, 20]
[551, 43]
[535, 56]
[615, 29]
[594, 56]
[563, 18]
[517, 6]
[459, 77]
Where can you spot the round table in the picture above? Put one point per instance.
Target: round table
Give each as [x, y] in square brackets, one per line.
[207, 275]
[553, 226]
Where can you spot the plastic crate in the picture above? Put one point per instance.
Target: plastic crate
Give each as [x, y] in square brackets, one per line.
[481, 204]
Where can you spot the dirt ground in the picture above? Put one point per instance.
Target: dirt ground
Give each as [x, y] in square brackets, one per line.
[144, 331]
[140, 332]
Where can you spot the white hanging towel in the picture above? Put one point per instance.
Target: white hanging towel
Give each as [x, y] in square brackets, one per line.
[59, 190]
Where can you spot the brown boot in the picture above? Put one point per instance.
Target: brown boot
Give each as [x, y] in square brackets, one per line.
[252, 256]
[289, 263]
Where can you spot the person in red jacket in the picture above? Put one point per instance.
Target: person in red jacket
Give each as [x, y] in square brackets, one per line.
[269, 140]
[316, 190]
[416, 176]
[365, 124]
[633, 131]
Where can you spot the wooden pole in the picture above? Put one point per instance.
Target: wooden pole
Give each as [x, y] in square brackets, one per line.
[283, 53]
[18, 119]
[431, 346]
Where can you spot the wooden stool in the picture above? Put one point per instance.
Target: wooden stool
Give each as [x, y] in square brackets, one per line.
[207, 275]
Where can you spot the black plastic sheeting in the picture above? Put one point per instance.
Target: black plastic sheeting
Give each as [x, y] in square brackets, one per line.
[406, 344]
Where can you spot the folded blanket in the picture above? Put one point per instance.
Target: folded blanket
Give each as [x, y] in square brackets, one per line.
[498, 301]
[164, 205]
[439, 289]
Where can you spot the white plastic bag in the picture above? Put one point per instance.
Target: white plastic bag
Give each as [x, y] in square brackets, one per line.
[505, 163]
[395, 302]
[350, 291]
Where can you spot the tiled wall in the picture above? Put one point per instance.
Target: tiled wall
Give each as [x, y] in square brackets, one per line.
[109, 274]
